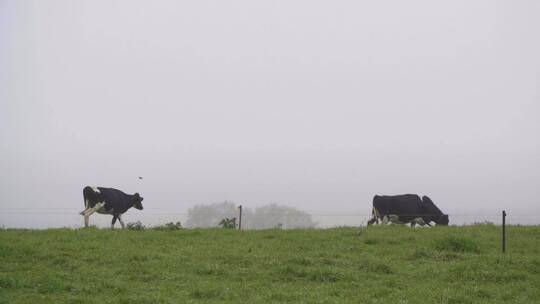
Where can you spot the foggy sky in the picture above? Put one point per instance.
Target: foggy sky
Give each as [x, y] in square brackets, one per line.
[317, 105]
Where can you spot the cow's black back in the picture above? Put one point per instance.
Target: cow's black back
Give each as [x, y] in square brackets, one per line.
[406, 206]
[116, 200]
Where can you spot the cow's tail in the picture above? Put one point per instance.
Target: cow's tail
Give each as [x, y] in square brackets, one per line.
[86, 201]
[87, 194]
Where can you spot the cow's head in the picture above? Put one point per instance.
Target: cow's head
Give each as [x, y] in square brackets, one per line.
[137, 201]
[442, 220]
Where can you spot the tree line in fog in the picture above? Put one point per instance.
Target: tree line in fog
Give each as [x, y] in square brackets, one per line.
[265, 217]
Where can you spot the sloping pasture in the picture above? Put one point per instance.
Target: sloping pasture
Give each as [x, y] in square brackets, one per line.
[344, 265]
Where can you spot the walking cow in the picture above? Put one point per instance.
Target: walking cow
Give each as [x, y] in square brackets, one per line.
[108, 201]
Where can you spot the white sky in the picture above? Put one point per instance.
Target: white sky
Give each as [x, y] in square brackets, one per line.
[318, 105]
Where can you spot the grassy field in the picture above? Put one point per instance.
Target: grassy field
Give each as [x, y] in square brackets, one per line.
[344, 265]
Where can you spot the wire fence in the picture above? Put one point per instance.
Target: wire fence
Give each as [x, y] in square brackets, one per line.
[54, 217]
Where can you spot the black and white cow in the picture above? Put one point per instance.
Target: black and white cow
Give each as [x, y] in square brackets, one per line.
[407, 208]
[108, 201]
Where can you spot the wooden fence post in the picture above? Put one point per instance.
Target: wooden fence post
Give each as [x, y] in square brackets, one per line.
[240, 218]
[504, 231]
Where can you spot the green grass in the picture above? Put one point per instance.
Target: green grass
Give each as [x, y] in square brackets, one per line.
[344, 265]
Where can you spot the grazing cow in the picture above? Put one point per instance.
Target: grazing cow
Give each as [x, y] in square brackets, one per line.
[408, 208]
[108, 201]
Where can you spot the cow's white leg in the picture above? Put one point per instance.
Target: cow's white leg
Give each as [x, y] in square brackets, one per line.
[88, 211]
[376, 216]
[86, 208]
[96, 208]
[418, 221]
[394, 219]
[121, 222]
[91, 211]
[373, 218]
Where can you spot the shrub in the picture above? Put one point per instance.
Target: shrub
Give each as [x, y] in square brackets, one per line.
[484, 223]
[135, 226]
[169, 226]
[278, 226]
[228, 223]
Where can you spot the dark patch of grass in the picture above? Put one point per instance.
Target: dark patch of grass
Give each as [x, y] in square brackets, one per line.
[429, 255]
[371, 241]
[205, 294]
[51, 285]
[421, 254]
[457, 300]
[457, 244]
[534, 267]
[212, 269]
[9, 282]
[138, 258]
[281, 297]
[314, 274]
[375, 267]
[446, 256]
[302, 261]
[483, 294]
[392, 242]
[292, 273]
[330, 261]
[324, 276]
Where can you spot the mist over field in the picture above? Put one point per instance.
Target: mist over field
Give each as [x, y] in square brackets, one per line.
[313, 105]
